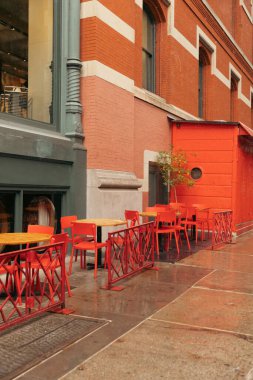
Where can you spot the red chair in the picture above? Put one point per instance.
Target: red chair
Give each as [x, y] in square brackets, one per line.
[132, 218]
[166, 223]
[66, 227]
[176, 206]
[47, 263]
[90, 230]
[202, 217]
[38, 229]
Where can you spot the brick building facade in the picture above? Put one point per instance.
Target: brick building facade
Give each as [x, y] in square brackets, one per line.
[145, 63]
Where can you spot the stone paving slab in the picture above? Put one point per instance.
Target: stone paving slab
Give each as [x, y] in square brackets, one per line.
[243, 244]
[220, 260]
[143, 294]
[230, 281]
[161, 350]
[212, 309]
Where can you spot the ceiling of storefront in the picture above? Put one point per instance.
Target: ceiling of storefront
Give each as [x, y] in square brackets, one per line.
[14, 37]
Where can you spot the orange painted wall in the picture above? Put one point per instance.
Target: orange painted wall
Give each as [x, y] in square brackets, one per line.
[227, 171]
[244, 191]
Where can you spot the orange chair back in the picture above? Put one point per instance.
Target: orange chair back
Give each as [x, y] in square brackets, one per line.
[168, 217]
[132, 218]
[176, 206]
[66, 222]
[37, 228]
[190, 212]
[88, 229]
[60, 238]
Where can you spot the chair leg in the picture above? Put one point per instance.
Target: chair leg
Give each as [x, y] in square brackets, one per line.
[176, 239]
[157, 245]
[96, 263]
[68, 285]
[187, 239]
[18, 287]
[71, 260]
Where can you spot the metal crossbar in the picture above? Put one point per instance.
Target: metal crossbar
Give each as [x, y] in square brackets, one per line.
[129, 251]
[222, 227]
[32, 281]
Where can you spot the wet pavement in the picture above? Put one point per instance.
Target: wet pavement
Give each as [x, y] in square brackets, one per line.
[189, 320]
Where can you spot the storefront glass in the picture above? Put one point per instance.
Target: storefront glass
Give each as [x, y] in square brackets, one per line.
[26, 56]
[7, 210]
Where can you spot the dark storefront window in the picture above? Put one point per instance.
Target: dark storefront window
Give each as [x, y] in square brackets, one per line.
[26, 55]
[7, 214]
[38, 208]
[43, 209]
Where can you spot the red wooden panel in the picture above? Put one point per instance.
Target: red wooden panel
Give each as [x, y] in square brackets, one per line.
[203, 132]
[212, 168]
[207, 191]
[214, 179]
[200, 145]
[219, 157]
[213, 202]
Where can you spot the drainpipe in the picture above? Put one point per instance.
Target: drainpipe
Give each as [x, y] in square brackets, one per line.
[74, 130]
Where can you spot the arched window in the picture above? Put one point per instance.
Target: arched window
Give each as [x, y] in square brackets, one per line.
[148, 50]
[233, 98]
[204, 61]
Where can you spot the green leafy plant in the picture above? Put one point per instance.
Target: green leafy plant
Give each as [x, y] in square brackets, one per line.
[173, 166]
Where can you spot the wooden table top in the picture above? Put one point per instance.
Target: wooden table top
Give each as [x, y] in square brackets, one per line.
[149, 213]
[154, 213]
[102, 222]
[15, 238]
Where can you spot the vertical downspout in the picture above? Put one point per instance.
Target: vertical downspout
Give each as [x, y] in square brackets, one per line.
[235, 178]
[74, 130]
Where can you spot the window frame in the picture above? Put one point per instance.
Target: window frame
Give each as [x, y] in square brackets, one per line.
[56, 78]
[151, 82]
[203, 64]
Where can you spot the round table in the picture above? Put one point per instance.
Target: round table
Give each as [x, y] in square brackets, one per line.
[19, 238]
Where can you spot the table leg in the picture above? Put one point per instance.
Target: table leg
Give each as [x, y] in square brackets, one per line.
[99, 240]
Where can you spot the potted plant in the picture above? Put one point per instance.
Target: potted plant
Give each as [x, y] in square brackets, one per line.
[173, 165]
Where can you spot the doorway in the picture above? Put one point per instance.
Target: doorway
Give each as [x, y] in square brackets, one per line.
[158, 192]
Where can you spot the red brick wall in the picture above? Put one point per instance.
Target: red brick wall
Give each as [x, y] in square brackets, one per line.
[108, 122]
[102, 43]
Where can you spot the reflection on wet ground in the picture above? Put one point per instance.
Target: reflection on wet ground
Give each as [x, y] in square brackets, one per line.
[192, 319]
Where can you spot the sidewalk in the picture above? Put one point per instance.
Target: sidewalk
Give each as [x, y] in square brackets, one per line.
[189, 320]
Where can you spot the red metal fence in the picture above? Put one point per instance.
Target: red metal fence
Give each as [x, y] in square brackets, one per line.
[129, 251]
[32, 281]
[222, 227]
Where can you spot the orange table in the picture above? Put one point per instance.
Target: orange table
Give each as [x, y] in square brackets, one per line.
[149, 214]
[19, 238]
[102, 222]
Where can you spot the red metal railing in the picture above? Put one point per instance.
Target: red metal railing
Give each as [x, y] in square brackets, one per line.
[129, 251]
[32, 281]
[222, 227]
